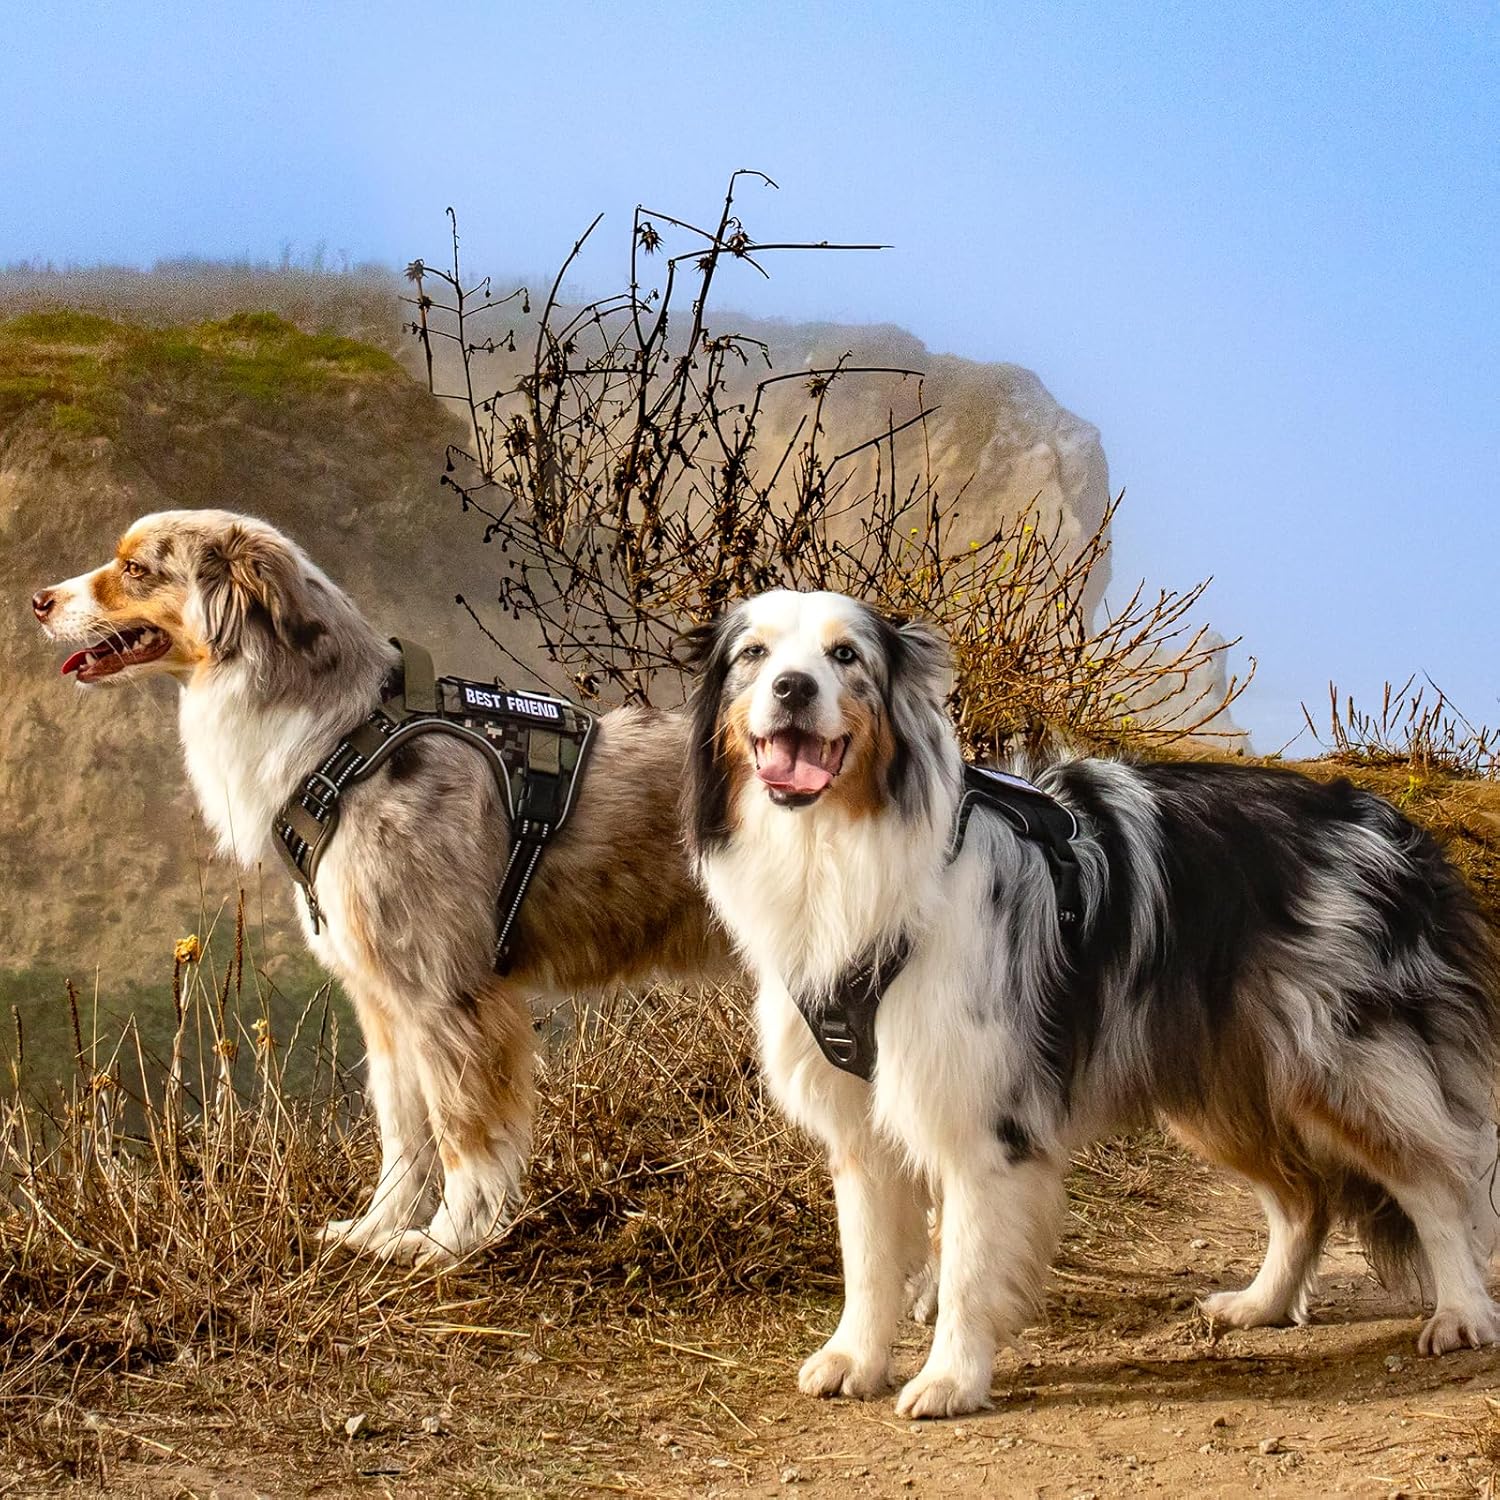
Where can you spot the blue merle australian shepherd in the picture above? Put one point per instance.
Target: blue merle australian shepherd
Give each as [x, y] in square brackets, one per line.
[1289, 975]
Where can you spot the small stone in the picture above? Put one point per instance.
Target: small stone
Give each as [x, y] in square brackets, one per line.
[959, 1432]
[434, 1426]
[1219, 1421]
[1268, 1446]
[1394, 1362]
[1200, 1244]
[793, 1475]
[1205, 1447]
[357, 1426]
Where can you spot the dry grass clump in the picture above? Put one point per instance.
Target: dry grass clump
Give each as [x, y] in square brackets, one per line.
[162, 1212]
[1414, 726]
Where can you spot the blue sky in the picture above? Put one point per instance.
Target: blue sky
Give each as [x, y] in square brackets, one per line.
[1255, 243]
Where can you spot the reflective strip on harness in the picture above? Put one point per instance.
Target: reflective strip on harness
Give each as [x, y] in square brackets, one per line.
[536, 746]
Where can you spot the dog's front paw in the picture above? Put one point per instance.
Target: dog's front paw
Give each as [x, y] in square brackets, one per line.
[335, 1232]
[940, 1393]
[417, 1247]
[1241, 1310]
[835, 1371]
[1460, 1328]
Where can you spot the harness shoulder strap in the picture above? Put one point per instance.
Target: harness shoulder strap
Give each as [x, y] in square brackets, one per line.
[535, 745]
[842, 1020]
[1035, 816]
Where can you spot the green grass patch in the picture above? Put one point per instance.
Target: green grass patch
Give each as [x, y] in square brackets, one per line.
[81, 367]
[63, 326]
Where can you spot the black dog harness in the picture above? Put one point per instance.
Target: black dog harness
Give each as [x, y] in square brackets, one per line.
[842, 1020]
[536, 746]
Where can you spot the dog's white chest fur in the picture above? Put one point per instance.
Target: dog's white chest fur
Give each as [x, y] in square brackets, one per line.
[806, 896]
[244, 760]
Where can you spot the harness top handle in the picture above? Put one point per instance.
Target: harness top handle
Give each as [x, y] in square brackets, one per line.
[419, 692]
[536, 746]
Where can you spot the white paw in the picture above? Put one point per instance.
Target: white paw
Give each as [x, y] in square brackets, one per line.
[433, 1256]
[833, 1371]
[416, 1247]
[1453, 1328]
[335, 1232]
[1241, 1310]
[937, 1393]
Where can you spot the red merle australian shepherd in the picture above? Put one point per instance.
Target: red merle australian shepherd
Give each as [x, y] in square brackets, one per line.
[275, 664]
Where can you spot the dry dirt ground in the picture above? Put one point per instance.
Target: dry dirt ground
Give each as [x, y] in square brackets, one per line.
[1123, 1390]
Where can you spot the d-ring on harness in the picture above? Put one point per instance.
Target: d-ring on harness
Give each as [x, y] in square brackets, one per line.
[842, 1019]
[536, 746]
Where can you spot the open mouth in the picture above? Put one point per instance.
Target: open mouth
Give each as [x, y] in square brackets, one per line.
[130, 646]
[796, 767]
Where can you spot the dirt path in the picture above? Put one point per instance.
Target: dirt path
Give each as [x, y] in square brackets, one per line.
[1122, 1391]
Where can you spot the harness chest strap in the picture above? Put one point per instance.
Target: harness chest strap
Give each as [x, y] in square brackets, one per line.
[842, 1020]
[535, 744]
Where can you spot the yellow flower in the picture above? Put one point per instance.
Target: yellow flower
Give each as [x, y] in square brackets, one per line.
[188, 950]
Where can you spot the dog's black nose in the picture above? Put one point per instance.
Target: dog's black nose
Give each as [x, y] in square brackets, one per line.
[795, 689]
[43, 604]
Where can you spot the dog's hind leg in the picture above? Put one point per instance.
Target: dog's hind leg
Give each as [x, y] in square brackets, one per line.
[476, 1062]
[1428, 1164]
[1442, 1213]
[1484, 1196]
[1298, 1223]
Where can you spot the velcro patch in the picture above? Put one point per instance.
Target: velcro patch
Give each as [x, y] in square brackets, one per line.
[494, 700]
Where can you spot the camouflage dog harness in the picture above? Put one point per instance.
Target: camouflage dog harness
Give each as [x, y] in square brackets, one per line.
[536, 746]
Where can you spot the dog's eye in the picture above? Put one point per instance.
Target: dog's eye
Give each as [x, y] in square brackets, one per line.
[752, 652]
[844, 655]
[133, 569]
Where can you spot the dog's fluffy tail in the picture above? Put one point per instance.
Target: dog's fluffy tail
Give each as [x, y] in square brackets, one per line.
[1388, 1236]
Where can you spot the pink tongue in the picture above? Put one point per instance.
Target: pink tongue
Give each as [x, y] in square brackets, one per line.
[789, 762]
[75, 661]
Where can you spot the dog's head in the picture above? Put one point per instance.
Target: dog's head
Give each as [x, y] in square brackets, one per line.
[186, 592]
[813, 699]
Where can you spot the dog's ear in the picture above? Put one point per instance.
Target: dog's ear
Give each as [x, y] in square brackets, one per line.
[253, 591]
[921, 655]
[696, 645]
[704, 650]
[920, 664]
